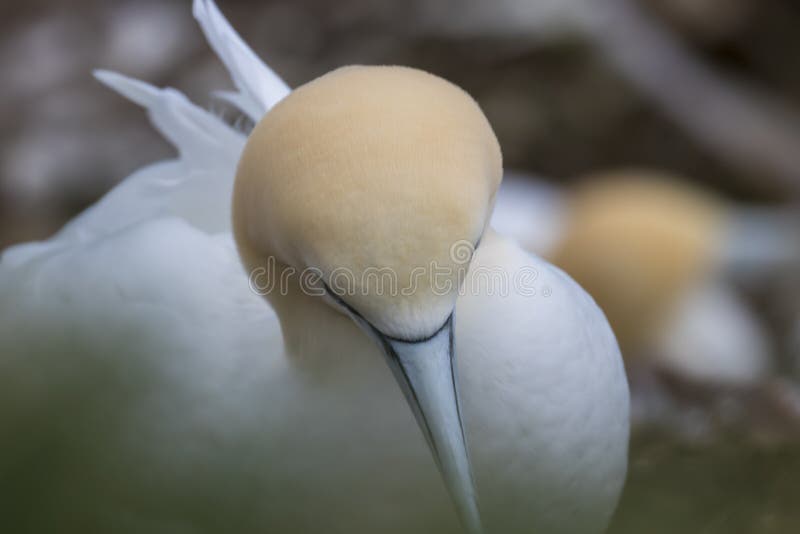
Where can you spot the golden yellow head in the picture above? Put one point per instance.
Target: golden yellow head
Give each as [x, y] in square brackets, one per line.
[636, 240]
[371, 170]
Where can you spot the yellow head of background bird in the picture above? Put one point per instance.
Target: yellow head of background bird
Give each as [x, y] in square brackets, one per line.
[637, 240]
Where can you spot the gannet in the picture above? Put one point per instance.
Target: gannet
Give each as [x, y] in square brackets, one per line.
[661, 257]
[155, 379]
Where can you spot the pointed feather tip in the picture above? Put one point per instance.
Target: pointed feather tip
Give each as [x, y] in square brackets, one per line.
[215, 27]
[204, 11]
[218, 31]
[198, 9]
[259, 87]
[135, 90]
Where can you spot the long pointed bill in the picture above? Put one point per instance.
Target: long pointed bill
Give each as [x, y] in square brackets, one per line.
[424, 370]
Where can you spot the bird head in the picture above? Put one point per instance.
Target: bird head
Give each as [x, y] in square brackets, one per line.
[637, 241]
[381, 180]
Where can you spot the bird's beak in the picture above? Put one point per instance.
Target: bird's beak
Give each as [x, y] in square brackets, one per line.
[424, 369]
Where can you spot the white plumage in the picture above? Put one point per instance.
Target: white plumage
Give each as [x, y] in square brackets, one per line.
[144, 386]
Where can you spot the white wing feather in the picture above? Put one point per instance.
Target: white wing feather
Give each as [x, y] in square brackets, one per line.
[195, 187]
[198, 135]
[259, 87]
[117, 331]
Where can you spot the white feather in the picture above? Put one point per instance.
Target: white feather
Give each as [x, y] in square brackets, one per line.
[195, 187]
[259, 87]
[713, 337]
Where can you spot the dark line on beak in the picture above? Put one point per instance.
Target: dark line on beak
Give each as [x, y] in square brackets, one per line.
[394, 363]
[341, 302]
[454, 378]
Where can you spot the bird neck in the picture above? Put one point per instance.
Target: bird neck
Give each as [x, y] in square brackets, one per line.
[316, 336]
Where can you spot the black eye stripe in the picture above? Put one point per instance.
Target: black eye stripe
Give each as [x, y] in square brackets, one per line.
[339, 301]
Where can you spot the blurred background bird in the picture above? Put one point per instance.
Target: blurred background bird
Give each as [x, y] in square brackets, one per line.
[667, 261]
[705, 90]
[648, 245]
